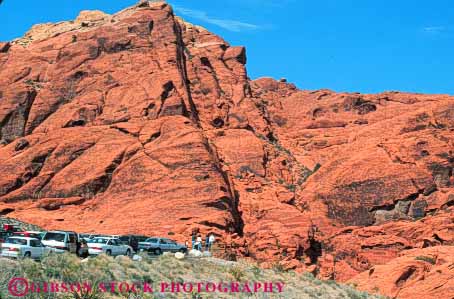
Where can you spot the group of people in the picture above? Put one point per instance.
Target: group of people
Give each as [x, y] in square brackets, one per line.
[197, 242]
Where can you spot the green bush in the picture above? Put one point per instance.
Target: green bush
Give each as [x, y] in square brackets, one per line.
[427, 259]
[237, 273]
[291, 187]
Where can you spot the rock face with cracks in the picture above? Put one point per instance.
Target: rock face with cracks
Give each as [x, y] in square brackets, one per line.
[139, 122]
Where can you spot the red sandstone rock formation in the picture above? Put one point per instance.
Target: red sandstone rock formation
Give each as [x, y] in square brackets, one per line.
[417, 273]
[139, 122]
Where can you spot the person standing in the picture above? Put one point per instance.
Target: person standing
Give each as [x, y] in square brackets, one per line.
[207, 242]
[198, 242]
[83, 250]
[211, 240]
[193, 240]
[134, 243]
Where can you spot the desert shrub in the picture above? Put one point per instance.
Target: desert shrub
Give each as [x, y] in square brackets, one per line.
[291, 187]
[237, 273]
[427, 259]
[355, 294]
[278, 267]
[256, 271]
[308, 276]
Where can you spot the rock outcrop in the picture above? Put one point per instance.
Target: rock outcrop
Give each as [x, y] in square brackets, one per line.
[416, 273]
[139, 122]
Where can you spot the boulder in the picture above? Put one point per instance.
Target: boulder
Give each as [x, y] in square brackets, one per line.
[195, 253]
[137, 258]
[179, 255]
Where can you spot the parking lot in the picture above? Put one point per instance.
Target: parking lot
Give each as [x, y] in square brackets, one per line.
[19, 243]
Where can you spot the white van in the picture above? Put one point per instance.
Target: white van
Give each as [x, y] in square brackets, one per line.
[61, 241]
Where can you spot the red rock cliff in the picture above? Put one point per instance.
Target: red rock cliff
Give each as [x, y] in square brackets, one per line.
[139, 122]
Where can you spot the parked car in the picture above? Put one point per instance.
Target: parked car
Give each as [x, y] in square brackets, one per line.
[8, 231]
[133, 241]
[4, 235]
[158, 245]
[10, 227]
[109, 246]
[30, 234]
[108, 236]
[87, 236]
[61, 241]
[18, 247]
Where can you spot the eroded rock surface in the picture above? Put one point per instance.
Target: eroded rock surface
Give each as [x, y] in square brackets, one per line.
[139, 122]
[416, 273]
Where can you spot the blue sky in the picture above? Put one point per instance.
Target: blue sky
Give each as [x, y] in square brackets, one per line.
[344, 45]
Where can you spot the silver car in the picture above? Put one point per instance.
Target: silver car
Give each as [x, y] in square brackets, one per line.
[158, 245]
[109, 246]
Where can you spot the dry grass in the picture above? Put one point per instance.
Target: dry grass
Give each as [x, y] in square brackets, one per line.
[68, 268]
